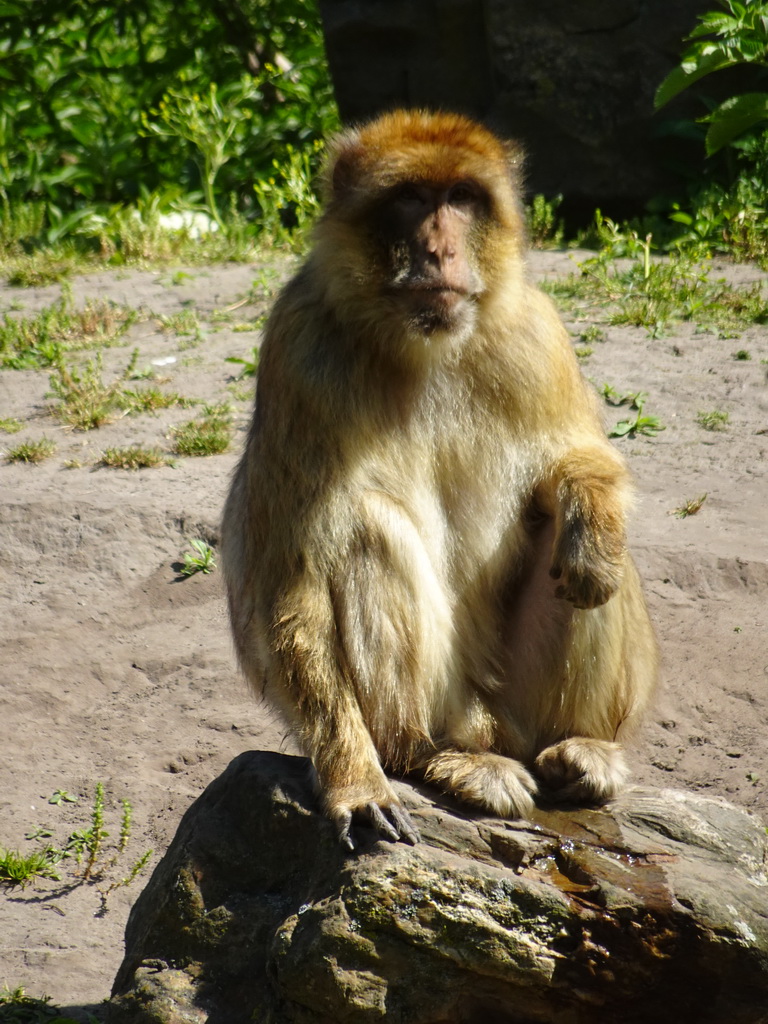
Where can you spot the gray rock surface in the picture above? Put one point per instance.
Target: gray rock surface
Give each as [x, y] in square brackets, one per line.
[654, 909]
[574, 81]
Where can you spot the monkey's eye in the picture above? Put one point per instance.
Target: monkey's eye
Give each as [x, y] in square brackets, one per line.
[409, 194]
[462, 194]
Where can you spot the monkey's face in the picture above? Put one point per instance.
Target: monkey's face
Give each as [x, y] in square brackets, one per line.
[422, 229]
[426, 235]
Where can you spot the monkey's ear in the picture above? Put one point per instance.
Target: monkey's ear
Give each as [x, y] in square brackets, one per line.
[345, 171]
[345, 161]
[515, 156]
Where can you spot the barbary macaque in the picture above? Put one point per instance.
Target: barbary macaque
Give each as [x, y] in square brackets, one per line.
[424, 541]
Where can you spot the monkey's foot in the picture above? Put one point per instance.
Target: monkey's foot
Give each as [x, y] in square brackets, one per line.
[583, 770]
[494, 783]
[385, 814]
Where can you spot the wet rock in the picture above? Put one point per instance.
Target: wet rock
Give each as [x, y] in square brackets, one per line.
[654, 909]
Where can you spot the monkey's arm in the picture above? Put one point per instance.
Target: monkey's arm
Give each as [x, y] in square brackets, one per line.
[586, 492]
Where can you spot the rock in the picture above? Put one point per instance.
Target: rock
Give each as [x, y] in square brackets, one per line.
[574, 81]
[653, 909]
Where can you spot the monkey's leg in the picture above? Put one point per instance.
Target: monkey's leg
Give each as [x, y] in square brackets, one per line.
[353, 784]
[579, 679]
[494, 783]
[350, 779]
[311, 682]
[606, 680]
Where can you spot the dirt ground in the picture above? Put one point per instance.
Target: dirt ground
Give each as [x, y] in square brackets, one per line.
[115, 669]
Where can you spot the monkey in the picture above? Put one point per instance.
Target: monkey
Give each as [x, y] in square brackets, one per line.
[424, 542]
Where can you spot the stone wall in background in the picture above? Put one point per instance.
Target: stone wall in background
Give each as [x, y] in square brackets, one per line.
[574, 81]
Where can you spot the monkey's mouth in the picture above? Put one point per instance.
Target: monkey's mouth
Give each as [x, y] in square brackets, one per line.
[434, 296]
[431, 309]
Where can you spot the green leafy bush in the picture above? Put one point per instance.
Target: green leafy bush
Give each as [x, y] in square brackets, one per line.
[740, 37]
[107, 103]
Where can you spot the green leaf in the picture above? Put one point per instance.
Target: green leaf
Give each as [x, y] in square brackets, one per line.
[622, 427]
[679, 78]
[648, 425]
[754, 50]
[714, 22]
[734, 117]
[62, 796]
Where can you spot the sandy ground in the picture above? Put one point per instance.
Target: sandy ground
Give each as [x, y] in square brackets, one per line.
[113, 669]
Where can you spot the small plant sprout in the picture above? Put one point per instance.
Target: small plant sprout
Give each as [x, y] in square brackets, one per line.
[209, 435]
[583, 351]
[125, 825]
[139, 400]
[288, 194]
[544, 227]
[39, 833]
[16, 1007]
[61, 796]
[202, 560]
[714, 420]
[10, 426]
[86, 846]
[133, 457]
[85, 401]
[32, 451]
[743, 355]
[96, 834]
[635, 399]
[136, 870]
[592, 333]
[249, 367]
[647, 425]
[689, 508]
[18, 869]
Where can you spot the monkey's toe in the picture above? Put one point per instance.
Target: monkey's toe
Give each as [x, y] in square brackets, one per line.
[400, 827]
[392, 822]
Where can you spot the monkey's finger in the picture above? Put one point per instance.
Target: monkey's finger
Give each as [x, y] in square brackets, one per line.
[404, 824]
[344, 830]
[380, 823]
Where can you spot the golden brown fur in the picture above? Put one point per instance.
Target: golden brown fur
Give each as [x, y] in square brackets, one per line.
[424, 542]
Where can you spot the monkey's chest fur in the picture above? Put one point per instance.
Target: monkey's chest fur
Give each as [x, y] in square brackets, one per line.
[427, 539]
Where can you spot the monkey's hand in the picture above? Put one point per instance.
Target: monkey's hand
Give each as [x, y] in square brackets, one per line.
[586, 495]
[589, 561]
